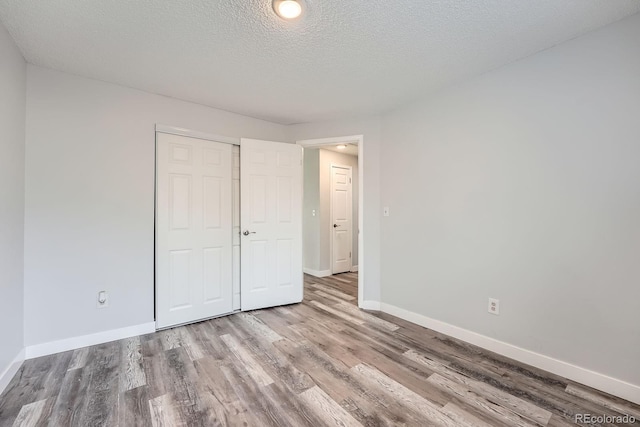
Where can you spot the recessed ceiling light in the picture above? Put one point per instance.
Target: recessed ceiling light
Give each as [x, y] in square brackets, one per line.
[341, 147]
[287, 9]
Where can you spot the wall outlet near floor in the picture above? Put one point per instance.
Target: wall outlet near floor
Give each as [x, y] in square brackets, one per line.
[494, 306]
[103, 299]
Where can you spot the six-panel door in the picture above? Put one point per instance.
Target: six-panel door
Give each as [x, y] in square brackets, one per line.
[341, 221]
[271, 223]
[193, 229]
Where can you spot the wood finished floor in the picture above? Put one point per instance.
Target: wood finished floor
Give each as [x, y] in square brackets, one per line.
[321, 362]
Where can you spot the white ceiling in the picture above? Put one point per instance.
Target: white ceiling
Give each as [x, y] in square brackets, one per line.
[341, 59]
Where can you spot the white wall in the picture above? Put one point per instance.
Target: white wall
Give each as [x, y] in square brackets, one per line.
[524, 184]
[12, 119]
[370, 128]
[90, 199]
[325, 226]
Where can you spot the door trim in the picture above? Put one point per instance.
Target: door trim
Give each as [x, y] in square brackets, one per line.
[353, 139]
[331, 166]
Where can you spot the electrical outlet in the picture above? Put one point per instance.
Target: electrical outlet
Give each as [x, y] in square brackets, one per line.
[103, 299]
[494, 306]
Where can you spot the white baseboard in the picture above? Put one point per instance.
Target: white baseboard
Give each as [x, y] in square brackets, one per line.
[317, 273]
[614, 386]
[67, 344]
[354, 268]
[7, 375]
[370, 305]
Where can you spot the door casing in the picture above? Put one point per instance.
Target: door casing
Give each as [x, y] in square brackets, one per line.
[359, 140]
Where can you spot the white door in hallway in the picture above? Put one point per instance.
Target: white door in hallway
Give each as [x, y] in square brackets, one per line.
[271, 224]
[193, 229]
[341, 221]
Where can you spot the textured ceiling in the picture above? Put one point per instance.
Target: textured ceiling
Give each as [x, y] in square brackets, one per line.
[342, 58]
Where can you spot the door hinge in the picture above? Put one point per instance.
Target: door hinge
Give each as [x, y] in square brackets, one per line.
[349, 254]
[349, 180]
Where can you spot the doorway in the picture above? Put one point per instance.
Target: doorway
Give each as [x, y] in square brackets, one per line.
[332, 213]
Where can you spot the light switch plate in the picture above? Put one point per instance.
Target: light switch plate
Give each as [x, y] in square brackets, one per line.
[102, 300]
[385, 211]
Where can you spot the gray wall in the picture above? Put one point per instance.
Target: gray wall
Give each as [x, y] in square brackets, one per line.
[370, 128]
[311, 202]
[90, 198]
[524, 184]
[325, 227]
[12, 119]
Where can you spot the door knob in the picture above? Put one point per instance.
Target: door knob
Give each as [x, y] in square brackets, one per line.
[335, 226]
[247, 232]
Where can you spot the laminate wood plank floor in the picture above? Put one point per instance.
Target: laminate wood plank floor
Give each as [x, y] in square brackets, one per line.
[323, 362]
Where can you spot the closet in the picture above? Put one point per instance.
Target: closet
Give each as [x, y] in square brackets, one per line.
[228, 226]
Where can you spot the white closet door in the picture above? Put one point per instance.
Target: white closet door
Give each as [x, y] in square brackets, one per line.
[271, 224]
[193, 229]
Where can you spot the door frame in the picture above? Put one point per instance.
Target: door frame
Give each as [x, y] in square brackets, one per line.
[359, 140]
[331, 189]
